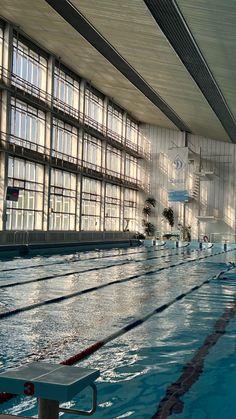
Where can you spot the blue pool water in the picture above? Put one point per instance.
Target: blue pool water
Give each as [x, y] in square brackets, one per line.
[138, 367]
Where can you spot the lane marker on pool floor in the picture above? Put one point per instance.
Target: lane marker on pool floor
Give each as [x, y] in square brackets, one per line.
[171, 403]
[5, 314]
[74, 359]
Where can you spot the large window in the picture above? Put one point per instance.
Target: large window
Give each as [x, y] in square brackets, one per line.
[62, 200]
[112, 208]
[92, 152]
[29, 71]
[130, 168]
[64, 141]
[130, 210]
[27, 126]
[143, 174]
[1, 50]
[115, 122]
[131, 132]
[91, 204]
[66, 92]
[27, 213]
[113, 158]
[93, 109]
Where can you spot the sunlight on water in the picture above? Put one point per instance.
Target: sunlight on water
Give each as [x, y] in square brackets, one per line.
[136, 368]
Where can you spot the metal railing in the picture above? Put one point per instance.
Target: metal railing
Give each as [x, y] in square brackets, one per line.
[21, 146]
[17, 82]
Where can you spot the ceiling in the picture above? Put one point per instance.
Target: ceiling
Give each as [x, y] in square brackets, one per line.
[153, 72]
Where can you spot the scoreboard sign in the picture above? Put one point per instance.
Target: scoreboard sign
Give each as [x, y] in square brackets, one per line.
[12, 194]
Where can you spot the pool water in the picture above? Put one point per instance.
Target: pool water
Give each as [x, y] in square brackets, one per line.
[138, 367]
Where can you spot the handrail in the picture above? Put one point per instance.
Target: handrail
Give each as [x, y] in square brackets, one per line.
[84, 167]
[83, 412]
[86, 120]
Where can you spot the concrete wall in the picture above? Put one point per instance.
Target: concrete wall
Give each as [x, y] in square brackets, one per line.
[31, 237]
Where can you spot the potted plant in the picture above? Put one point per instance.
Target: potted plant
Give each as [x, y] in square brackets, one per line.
[168, 214]
[149, 228]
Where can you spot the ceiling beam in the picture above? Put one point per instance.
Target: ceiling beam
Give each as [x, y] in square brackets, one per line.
[173, 25]
[73, 16]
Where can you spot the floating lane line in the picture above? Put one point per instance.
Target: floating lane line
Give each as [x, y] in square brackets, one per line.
[47, 278]
[23, 309]
[79, 260]
[94, 348]
[74, 359]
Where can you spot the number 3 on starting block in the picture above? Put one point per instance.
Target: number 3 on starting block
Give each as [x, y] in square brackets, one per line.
[29, 389]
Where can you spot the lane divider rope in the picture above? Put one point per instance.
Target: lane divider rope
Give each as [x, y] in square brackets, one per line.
[5, 314]
[79, 260]
[93, 348]
[49, 277]
[74, 359]
[171, 403]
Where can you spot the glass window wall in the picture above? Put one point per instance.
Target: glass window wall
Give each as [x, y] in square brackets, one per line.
[94, 109]
[66, 92]
[64, 141]
[115, 122]
[113, 159]
[112, 208]
[131, 131]
[130, 210]
[1, 50]
[92, 152]
[131, 164]
[29, 69]
[91, 204]
[62, 200]
[27, 213]
[27, 126]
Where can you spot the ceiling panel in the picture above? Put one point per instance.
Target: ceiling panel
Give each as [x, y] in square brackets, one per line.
[131, 29]
[213, 25]
[44, 25]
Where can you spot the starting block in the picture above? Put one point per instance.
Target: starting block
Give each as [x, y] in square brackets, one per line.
[52, 384]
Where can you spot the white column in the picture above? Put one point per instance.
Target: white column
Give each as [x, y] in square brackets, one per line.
[5, 119]
[80, 151]
[48, 142]
[103, 189]
[82, 99]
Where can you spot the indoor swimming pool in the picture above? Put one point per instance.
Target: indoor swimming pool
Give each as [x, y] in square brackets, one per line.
[175, 353]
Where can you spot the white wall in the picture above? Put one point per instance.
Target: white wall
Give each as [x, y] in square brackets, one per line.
[217, 196]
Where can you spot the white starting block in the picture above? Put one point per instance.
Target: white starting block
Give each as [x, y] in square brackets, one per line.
[51, 384]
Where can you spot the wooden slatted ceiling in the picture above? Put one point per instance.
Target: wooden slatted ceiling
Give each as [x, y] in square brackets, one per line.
[130, 28]
[45, 26]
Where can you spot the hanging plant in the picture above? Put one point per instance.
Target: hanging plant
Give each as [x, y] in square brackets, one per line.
[168, 213]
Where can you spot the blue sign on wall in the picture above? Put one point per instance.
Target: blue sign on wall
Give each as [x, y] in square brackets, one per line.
[178, 196]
